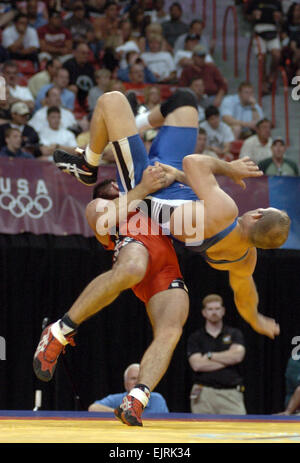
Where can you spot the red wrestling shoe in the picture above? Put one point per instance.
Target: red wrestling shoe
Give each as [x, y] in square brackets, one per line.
[47, 353]
[130, 411]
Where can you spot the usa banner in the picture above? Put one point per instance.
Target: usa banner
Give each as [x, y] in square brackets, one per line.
[36, 197]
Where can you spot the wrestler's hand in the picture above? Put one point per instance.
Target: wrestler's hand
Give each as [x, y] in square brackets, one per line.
[170, 173]
[154, 178]
[265, 325]
[243, 168]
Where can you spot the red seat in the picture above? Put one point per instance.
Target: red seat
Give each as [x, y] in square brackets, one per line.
[26, 67]
[235, 147]
[79, 111]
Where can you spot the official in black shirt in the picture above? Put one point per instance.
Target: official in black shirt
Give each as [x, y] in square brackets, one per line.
[215, 353]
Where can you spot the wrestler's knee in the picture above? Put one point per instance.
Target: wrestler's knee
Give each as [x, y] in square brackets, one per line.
[109, 99]
[130, 273]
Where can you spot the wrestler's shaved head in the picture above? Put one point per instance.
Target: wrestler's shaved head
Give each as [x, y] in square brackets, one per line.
[271, 230]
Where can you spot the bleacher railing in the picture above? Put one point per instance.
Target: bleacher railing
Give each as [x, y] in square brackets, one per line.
[260, 58]
[281, 72]
[213, 4]
[231, 9]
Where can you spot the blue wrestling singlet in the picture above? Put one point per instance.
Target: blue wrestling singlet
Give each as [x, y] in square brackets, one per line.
[169, 147]
[202, 247]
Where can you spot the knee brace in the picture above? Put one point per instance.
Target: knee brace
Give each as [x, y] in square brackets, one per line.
[178, 99]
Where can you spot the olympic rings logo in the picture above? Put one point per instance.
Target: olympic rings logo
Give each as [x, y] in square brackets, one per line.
[25, 205]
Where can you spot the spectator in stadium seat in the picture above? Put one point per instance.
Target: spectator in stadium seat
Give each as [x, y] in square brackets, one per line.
[241, 111]
[197, 87]
[5, 106]
[108, 24]
[133, 58]
[214, 83]
[81, 72]
[125, 43]
[7, 14]
[53, 98]
[102, 77]
[138, 19]
[61, 81]
[161, 63]
[266, 16]
[278, 164]
[95, 8]
[10, 72]
[195, 28]
[201, 146]
[158, 13]
[55, 40]
[20, 115]
[78, 24]
[36, 16]
[219, 134]
[258, 146]
[157, 403]
[54, 137]
[13, 142]
[154, 28]
[293, 25]
[21, 40]
[173, 28]
[184, 58]
[36, 82]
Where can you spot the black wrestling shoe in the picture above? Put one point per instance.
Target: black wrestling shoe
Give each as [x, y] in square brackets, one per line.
[77, 166]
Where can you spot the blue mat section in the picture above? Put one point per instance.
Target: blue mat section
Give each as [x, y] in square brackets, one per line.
[164, 416]
[285, 194]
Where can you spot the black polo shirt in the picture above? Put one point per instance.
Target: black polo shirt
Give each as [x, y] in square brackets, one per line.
[202, 342]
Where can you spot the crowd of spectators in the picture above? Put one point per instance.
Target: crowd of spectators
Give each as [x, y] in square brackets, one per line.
[58, 56]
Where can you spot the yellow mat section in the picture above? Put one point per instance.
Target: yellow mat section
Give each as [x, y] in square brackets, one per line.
[111, 431]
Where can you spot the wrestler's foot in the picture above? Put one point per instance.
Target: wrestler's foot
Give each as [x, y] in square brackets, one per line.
[130, 411]
[76, 166]
[47, 353]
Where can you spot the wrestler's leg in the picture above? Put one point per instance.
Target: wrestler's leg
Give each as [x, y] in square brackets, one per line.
[167, 311]
[129, 270]
[180, 110]
[112, 120]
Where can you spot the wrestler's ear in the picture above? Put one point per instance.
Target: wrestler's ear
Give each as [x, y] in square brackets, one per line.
[256, 215]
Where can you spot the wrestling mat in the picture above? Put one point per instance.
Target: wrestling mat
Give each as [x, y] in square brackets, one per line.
[85, 427]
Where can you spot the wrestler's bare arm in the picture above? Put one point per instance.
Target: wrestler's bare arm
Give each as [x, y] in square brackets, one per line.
[246, 297]
[153, 179]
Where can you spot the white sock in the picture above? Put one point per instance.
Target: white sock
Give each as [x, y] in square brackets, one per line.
[92, 158]
[57, 333]
[142, 121]
[140, 395]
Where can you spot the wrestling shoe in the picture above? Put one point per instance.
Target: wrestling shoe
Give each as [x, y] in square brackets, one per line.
[76, 166]
[130, 411]
[47, 353]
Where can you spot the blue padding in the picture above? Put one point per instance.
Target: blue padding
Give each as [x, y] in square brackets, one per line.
[285, 194]
[154, 416]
